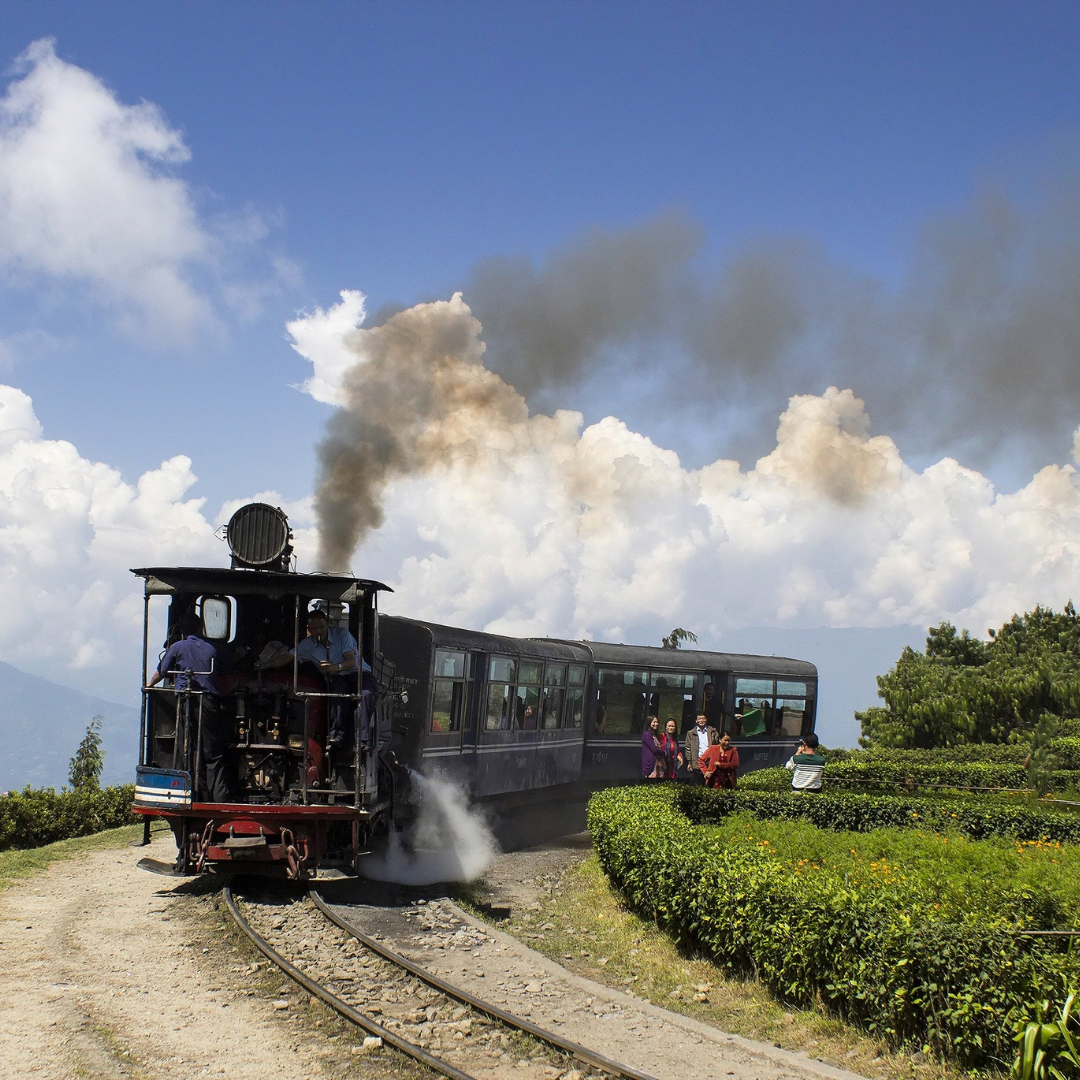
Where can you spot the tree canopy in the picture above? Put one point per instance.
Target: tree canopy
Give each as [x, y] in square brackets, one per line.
[85, 768]
[1023, 681]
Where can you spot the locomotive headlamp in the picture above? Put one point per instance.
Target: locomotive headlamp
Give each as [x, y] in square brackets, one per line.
[259, 537]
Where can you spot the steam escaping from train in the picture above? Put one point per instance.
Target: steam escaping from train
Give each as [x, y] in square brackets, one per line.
[449, 842]
[416, 393]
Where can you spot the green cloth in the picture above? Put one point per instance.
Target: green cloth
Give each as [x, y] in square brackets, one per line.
[753, 722]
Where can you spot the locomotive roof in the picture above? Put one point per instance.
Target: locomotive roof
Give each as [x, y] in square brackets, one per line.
[194, 579]
[601, 652]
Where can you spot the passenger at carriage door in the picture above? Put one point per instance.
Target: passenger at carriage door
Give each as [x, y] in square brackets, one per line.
[719, 764]
[698, 739]
[191, 652]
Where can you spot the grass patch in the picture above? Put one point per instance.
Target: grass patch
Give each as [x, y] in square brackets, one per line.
[583, 924]
[20, 864]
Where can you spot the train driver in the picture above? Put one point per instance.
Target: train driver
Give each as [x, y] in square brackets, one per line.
[332, 650]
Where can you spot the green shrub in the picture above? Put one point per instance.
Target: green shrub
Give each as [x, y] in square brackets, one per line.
[1063, 752]
[883, 775]
[912, 937]
[976, 819]
[36, 816]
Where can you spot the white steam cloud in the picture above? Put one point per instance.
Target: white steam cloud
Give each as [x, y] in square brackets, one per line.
[450, 841]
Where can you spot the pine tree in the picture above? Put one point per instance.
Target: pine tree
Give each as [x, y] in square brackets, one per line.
[85, 768]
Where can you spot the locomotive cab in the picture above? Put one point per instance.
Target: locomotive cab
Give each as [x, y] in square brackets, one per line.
[237, 758]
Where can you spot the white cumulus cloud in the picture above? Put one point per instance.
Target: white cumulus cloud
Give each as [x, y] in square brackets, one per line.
[70, 529]
[89, 198]
[536, 524]
[325, 338]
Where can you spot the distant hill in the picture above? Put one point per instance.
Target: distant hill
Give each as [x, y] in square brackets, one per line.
[42, 724]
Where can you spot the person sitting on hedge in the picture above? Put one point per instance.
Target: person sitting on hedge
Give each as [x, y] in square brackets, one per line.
[806, 765]
[719, 764]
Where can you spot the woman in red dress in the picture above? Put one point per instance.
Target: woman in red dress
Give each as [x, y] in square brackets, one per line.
[669, 742]
[720, 764]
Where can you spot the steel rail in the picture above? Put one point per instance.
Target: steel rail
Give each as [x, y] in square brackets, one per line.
[341, 1007]
[582, 1053]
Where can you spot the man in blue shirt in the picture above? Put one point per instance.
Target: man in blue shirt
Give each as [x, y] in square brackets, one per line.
[192, 653]
[332, 651]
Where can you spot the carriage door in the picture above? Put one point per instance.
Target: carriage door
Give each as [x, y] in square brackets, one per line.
[451, 682]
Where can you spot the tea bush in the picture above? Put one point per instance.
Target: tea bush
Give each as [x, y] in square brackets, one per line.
[858, 812]
[885, 775]
[1063, 753]
[36, 816]
[913, 937]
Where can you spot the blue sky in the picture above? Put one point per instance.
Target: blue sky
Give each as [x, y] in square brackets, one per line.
[391, 146]
[877, 197]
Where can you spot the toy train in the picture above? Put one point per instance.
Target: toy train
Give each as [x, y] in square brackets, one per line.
[517, 722]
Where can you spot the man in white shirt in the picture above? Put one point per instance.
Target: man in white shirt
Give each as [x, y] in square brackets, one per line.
[698, 739]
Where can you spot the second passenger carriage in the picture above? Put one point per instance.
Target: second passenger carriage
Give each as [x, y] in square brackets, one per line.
[507, 714]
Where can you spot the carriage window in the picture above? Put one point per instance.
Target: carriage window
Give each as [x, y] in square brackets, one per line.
[551, 706]
[551, 702]
[529, 672]
[450, 698]
[499, 712]
[502, 669]
[528, 708]
[620, 707]
[753, 687]
[449, 665]
[671, 680]
[790, 689]
[575, 706]
[576, 676]
[791, 712]
[555, 675]
[671, 697]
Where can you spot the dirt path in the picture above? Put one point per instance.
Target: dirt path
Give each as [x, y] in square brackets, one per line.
[107, 972]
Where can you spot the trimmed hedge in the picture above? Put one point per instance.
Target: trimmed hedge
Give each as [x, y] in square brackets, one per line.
[857, 812]
[878, 949]
[874, 774]
[36, 816]
[1063, 752]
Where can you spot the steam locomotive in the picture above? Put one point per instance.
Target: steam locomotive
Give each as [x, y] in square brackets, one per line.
[517, 722]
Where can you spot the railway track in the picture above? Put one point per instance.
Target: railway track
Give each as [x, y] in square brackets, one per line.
[360, 979]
